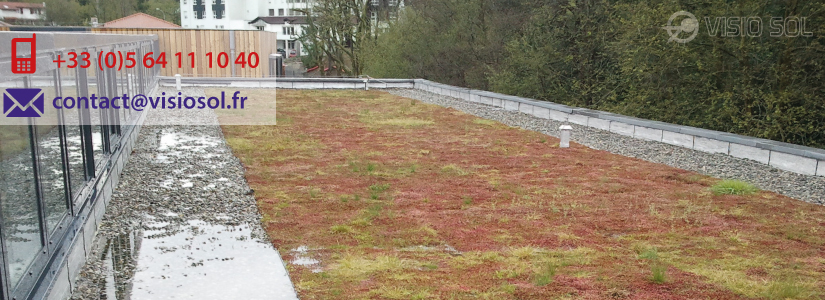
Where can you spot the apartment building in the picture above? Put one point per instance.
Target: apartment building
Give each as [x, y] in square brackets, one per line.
[281, 16]
[19, 13]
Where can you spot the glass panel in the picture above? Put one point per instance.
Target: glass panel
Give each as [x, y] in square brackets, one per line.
[74, 144]
[97, 137]
[96, 117]
[18, 199]
[50, 156]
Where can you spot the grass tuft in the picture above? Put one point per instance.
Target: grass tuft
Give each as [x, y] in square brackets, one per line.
[342, 229]
[658, 271]
[545, 275]
[452, 169]
[733, 187]
[786, 289]
[650, 254]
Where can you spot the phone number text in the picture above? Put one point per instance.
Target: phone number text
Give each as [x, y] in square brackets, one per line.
[121, 59]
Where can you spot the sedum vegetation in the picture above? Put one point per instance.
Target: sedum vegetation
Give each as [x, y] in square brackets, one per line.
[615, 56]
[463, 209]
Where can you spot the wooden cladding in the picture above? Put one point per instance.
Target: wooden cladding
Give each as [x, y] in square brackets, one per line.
[201, 42]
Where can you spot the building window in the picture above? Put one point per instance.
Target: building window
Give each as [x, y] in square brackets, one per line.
[260, 28]
[374, 2]
[214, 2]
[184, 2]
[291, 44]
[280, 11]
[374, 16]
[392, 3]
[271, 12]
[289, 30]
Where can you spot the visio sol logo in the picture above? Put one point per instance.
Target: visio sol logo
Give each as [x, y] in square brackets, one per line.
[683, 27]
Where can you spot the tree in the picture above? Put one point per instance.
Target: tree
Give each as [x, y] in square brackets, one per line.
[336, 33]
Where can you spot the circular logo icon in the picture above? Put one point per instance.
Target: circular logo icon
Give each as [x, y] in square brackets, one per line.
[688, 26]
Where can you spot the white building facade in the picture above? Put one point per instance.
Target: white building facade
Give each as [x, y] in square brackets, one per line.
[280, 16]
[20, 13]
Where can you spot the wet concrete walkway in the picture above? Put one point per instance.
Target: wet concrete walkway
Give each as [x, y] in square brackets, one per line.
[183, 224]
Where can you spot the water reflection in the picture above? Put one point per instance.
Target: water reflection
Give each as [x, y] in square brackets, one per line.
[51, 174]
[119, 261]
[198, 260]
[21, 227]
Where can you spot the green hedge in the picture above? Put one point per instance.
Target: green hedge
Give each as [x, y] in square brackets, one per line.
[615, 56]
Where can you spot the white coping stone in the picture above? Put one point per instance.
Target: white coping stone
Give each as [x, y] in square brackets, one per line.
[308, 85]
[578, 119]
[510, 105]
[475, 98]
[598, 123]
[342, 85]
[677, 139]
[525, 108]
[793, 163]
[820, 170]
[61, 288]
[244, 84]
[402, 85]
[752, 153]
[559, 116]
[648, 133]
[378, 85]
[269, 84]
[283, 85]
[710, 145]
[541, 112]
[622, 128]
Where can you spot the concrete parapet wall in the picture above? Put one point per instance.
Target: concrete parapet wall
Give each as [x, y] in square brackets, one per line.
[789, 157]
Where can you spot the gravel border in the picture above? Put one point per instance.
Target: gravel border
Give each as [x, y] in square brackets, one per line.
[175, 174]
[803, 187]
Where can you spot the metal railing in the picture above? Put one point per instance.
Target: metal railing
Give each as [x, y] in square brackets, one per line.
[55, 179]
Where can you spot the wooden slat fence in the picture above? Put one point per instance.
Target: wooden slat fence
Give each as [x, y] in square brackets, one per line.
[201, 42]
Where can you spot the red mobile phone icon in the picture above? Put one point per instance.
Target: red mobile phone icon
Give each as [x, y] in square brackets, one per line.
[23, 65]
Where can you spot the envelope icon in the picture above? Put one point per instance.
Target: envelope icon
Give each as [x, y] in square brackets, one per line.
[23, 103]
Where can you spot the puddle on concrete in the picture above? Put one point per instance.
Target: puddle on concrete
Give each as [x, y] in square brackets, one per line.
[204, 261]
